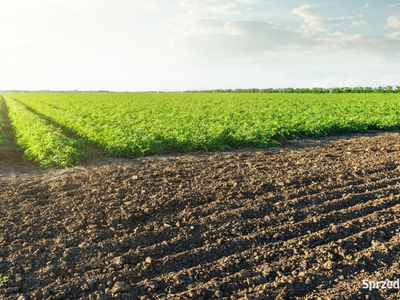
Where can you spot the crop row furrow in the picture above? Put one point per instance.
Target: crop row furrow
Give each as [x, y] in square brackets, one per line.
[300, 263]
[269, 221]
[356, 221]
[264, 211]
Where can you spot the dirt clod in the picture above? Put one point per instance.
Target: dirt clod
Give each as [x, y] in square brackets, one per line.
[120, 287]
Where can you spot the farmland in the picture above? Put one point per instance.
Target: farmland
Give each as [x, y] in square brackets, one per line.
[131, 125]
[311, 219]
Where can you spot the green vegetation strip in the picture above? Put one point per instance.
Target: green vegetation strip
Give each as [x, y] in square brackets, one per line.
[134, 124]
[42, 142]
[3, 138]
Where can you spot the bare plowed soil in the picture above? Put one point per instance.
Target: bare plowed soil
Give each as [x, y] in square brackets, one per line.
[307, 222]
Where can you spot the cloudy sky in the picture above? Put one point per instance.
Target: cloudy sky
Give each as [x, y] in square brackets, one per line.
[132, 45]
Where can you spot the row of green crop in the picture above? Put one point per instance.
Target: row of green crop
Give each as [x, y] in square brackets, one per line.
[3, 139]
[41, 141]
[129, 125]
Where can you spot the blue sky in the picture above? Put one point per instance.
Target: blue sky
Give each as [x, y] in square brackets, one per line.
[186, 44]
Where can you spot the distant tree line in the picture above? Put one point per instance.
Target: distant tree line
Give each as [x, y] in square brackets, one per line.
[53, 91]
[317, 90]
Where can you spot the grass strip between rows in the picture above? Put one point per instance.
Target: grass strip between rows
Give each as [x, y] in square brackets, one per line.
[41, 141]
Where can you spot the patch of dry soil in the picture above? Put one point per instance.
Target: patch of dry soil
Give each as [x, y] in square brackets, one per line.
[303, 222]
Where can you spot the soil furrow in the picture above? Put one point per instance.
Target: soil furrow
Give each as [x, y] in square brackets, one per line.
[277, 254]
[322, 259]
[285, 233]
[210, 221]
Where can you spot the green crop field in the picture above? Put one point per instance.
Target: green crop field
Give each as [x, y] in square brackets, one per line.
[136, 124]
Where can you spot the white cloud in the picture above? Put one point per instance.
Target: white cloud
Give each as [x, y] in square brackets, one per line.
[249, 1]
[226, 9]
[310, 16]
[58, 4]
[317, 24]
[393, 22]
[148, 4]
[358, 22]
[208, 7]
[335, 34]
[232, 28]
[202, 17]
[394, 35]
[385, 48]
[394, 5]
[367, 5]
[243, 38]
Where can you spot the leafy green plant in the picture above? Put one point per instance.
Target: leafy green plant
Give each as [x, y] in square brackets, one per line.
[4, 279]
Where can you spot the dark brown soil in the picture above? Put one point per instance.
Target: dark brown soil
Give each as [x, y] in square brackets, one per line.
[303, 222]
